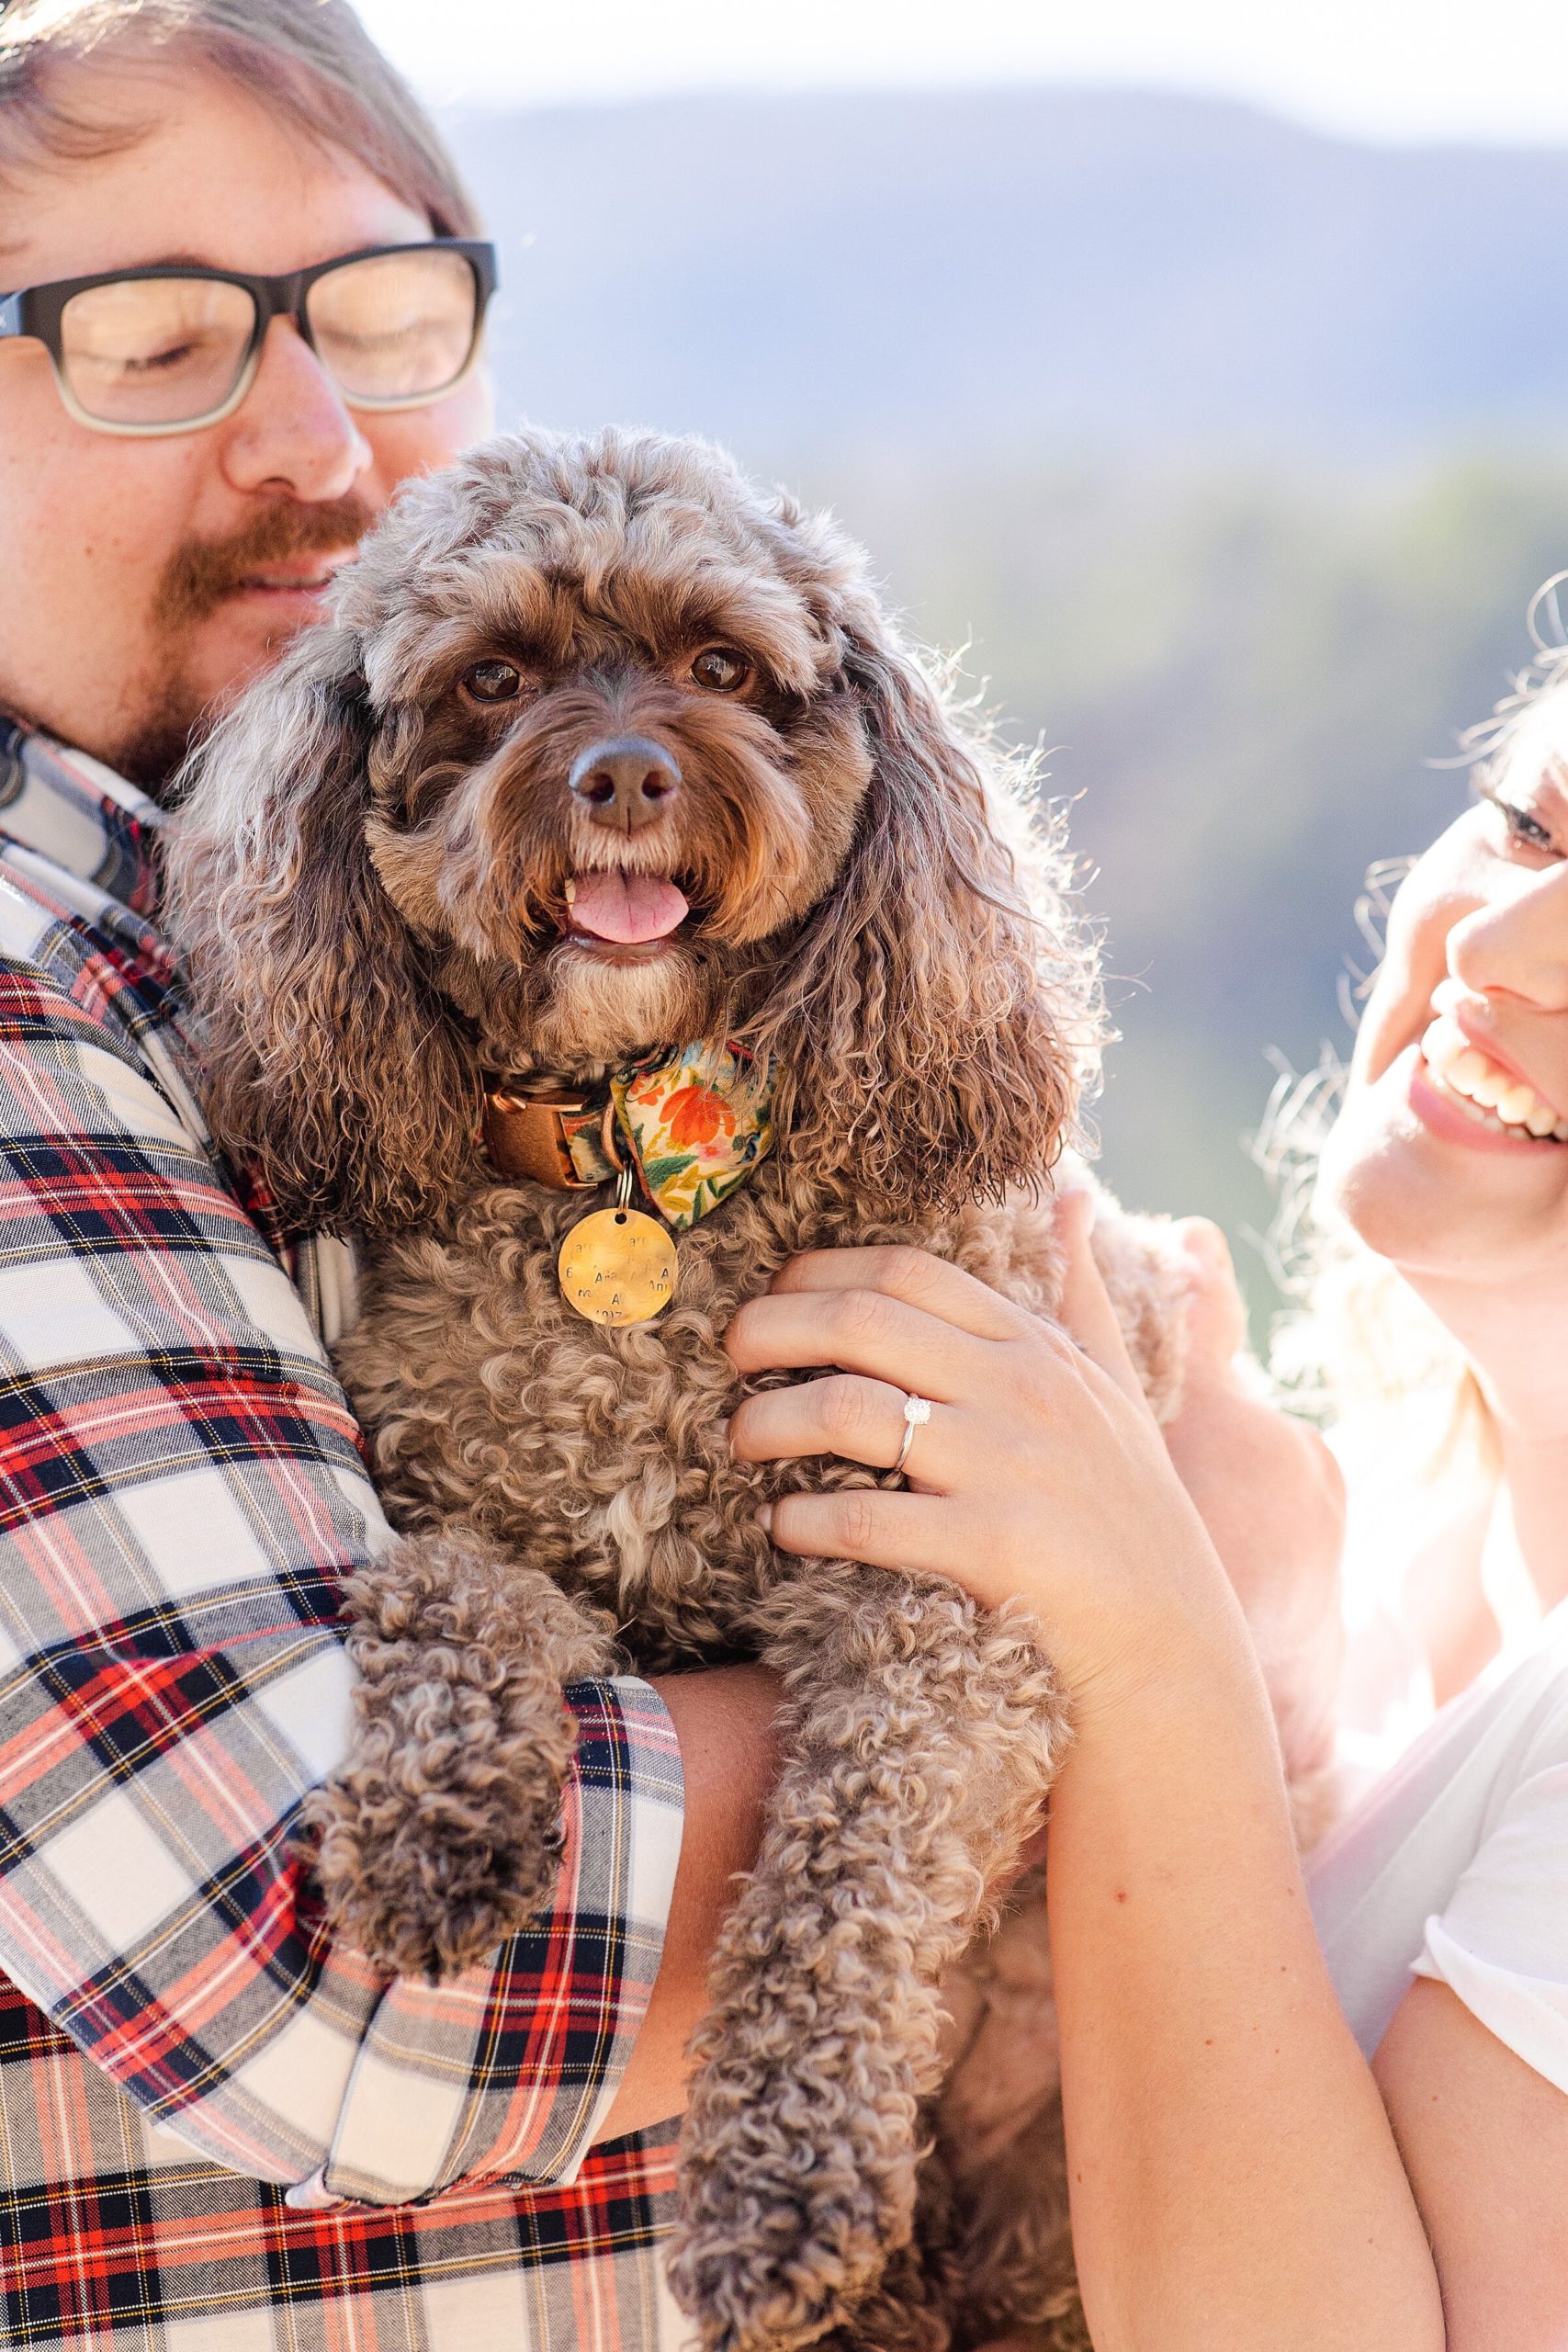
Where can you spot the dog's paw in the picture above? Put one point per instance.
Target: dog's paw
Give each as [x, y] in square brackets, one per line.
[439, 1836]
[427, 1876]
[788, 2210]
[767, 2281]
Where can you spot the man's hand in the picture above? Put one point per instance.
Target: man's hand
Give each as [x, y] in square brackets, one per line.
[1271, 1496]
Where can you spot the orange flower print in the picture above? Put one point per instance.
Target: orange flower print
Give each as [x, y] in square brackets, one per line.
[695, 1115]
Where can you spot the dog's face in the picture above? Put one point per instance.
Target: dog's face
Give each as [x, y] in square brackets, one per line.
[601, 751]
[615, 757]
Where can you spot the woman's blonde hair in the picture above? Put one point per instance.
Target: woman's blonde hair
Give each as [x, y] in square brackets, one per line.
[1356, 1340]
[310, 61]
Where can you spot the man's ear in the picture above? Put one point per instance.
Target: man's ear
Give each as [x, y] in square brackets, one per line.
[334, 1066]
[929, 1033]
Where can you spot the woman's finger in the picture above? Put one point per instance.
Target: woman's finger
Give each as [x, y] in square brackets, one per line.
[858, 1420]
[1086, 1314]
[913, 1275]
[860, 1330]
[1216, 1314]
[882, 1527]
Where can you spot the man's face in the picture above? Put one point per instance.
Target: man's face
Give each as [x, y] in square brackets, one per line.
[142, 581]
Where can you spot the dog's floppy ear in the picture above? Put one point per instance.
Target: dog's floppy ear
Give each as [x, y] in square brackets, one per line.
[334, 1067]
[930, 1031]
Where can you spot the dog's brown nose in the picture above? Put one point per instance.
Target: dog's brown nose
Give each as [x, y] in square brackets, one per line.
[626, 782]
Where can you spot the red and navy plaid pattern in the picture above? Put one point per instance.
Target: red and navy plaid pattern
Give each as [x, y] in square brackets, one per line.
[220, 2131]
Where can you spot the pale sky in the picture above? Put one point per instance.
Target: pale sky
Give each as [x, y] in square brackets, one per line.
[1481, 70]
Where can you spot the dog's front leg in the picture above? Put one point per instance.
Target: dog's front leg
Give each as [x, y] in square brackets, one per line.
[438, 1835]
[924, 1733]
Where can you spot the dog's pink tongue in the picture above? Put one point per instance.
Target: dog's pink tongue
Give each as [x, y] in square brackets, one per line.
[626, 907]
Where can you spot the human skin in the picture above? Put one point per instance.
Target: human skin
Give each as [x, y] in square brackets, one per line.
[1250, 1471]
[1193, 2006]
[1272, 1498]
[90, 523]
[1480, 931]
[1195, 2015]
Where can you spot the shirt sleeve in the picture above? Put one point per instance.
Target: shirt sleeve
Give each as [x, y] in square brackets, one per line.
[1501, 1942]
[181, 1489]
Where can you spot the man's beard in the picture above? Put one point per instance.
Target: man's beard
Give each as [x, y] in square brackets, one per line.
[199, 578]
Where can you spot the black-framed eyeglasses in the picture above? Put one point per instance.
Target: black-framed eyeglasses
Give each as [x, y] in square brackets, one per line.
[172, 348]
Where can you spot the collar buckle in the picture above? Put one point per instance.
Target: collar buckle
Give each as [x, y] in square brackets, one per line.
[526, 1133]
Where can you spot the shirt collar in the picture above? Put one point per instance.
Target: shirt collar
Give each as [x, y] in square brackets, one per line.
[73, 809]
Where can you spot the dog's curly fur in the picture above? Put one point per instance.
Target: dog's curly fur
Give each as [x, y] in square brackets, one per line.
[370, 878]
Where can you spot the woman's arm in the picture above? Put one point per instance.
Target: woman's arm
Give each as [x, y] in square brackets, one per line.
[1272, 1498]
[1485, 2140]
[1235, 2180]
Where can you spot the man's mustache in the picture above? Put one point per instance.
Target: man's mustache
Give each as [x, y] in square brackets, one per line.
[202, 574]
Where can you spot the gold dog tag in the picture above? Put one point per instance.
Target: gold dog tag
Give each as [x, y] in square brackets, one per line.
[617, 1266]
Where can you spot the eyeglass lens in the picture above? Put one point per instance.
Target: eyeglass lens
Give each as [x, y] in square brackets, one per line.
[396, 328]
[155, 350]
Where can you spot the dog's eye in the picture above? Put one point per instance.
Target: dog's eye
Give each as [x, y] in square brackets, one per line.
[493, 681]
[721, 670]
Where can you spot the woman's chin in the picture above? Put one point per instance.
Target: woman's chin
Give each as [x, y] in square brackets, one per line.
[1431, 1190]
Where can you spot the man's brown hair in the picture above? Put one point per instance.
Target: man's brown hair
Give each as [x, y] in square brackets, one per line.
[311, 61]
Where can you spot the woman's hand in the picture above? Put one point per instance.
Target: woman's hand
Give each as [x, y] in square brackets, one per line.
[1040, 1477]
[1272, 1497]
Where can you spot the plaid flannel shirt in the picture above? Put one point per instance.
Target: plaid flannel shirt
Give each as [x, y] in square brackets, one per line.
[221, 2130]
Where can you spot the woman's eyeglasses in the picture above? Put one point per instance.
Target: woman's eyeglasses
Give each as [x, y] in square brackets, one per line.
[170, 348]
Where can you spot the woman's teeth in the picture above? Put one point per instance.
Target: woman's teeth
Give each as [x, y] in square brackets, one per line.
[1491, 1096]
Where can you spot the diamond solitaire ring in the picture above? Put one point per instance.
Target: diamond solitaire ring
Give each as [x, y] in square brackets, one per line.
[917, 1412]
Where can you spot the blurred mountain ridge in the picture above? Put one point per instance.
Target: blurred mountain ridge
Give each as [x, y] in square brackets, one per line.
[1142, 272]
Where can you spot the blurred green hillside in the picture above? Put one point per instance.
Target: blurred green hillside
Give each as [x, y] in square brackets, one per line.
[1243, 679]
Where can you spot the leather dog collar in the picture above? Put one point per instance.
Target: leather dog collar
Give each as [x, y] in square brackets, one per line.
[525, 1133]
[692, 1126]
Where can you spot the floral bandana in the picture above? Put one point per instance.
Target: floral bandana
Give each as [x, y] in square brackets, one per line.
[696, 1127]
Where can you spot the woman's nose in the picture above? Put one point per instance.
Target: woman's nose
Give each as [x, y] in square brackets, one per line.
[1517, 943]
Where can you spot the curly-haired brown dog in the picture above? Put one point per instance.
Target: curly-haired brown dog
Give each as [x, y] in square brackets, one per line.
[574, 693]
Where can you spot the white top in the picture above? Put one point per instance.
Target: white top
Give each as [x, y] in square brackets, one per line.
[1455, 1866]
[1405, 1534]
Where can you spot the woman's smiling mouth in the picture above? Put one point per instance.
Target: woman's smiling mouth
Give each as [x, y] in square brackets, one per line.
[1483, 1092]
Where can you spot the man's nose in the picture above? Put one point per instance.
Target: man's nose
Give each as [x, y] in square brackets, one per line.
[624, 782]
[1517, 943]
[292, 432]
